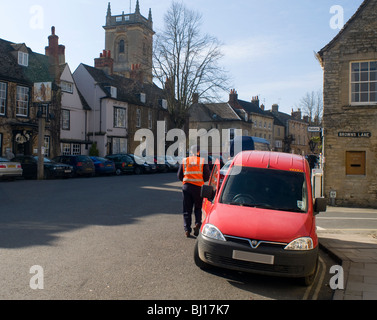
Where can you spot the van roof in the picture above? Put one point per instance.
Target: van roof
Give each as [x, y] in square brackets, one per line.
[271, 160]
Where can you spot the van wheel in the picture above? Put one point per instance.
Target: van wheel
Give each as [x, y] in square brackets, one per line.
[308, 280]
[199, 263]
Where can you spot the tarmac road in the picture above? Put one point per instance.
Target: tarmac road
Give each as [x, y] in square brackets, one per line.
[117, 238]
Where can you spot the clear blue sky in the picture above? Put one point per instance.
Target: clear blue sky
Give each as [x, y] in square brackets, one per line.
[269, 45]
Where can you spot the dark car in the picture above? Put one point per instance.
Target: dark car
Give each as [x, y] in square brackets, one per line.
[159, 162]
[52, 169]
[82, 165]
[124, 163]
[143, 165]
[103, 166]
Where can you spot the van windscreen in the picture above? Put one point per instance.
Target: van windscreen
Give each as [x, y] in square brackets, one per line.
[266, 188]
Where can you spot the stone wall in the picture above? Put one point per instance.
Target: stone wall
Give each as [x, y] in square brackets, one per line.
[358, 42]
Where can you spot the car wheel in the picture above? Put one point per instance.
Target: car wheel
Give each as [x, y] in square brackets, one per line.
[138, 170]
[308, 280]
[199, 263]
[118, 172]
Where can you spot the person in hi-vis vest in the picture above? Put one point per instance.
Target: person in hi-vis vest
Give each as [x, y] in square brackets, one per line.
[193, 172]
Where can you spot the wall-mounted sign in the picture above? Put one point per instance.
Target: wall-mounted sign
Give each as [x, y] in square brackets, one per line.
[314, 129]
[354, 134]
[42, 92]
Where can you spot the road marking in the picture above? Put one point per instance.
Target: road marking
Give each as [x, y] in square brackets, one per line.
[162, 189]
[321, 279]
[320, 228]
[321, 266]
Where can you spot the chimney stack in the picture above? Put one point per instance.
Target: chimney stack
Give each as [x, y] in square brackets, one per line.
[55, 52]
[105, 62]
[195, 98]
[137, 73]
[255, 100]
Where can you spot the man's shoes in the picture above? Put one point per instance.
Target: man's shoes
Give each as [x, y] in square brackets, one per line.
[187, 233]
[196, 229]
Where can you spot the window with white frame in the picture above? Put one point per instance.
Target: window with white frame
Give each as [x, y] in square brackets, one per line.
[66, 120]
[23, 58]
[76, 149]
[67, 86]
[119, 145]
[364, 82]
[119, 117]
[138, 118]
[3, 98]
[66, 149]
[22, 101]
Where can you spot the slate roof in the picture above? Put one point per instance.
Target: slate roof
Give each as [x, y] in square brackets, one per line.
[212, 112]
[128, 90]
[10, 70]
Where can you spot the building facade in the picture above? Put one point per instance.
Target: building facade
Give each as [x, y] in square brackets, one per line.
[349, 63]
[25, 79]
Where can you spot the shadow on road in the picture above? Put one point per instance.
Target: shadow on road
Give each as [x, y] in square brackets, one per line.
[34, 213]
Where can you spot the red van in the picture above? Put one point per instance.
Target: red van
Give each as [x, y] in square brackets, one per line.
[261, 218]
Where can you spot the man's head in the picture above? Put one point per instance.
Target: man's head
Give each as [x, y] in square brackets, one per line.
[195, 150]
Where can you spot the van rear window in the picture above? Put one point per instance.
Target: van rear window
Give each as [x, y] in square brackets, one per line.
[266, 188]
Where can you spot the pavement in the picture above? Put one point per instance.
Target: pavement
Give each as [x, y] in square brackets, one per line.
[355, 250]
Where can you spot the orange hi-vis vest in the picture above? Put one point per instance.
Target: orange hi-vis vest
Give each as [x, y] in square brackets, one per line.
[193, 171]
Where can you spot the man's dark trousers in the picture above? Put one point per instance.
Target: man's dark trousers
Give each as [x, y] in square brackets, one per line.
[191, 199]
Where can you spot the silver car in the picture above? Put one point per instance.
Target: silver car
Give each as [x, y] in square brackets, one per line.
[9, 169]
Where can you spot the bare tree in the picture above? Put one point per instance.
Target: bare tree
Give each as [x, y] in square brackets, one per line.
[186, 62]
[312, 105]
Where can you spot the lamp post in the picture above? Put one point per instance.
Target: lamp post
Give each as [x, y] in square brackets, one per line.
[41, 138]
[42, 96]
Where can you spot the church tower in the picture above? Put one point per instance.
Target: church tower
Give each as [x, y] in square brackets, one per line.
[129, 41]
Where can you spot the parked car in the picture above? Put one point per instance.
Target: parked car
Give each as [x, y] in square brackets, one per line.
[9, 169]
[142, 165]
[82, 165]
[103, 166]
[262, 218]
[123, 163]
[51, 169]
[172, 163]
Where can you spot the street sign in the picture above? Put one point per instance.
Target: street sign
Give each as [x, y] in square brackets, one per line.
[314, 129]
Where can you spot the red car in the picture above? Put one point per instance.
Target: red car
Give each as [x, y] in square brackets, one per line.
[261, 218]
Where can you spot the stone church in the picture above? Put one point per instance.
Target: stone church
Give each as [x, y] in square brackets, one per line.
[129, 39]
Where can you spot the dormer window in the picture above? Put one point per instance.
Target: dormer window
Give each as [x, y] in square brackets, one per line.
[143, 97]
[113, 92]
[23, 59]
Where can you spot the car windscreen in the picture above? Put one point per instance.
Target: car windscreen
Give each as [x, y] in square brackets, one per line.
[266, 188]
[3, 160]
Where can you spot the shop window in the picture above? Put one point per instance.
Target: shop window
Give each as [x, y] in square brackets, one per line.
[355, 162]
